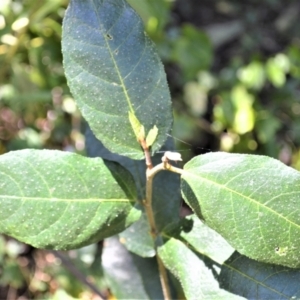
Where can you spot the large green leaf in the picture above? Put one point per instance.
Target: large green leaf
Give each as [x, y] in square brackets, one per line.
[112, 69]
[254, 280]
[197, 280]
[59, 200]
[252, 201]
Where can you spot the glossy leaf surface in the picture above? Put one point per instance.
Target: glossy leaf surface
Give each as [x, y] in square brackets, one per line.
[252, 201]
[112, 69]
[60, 200]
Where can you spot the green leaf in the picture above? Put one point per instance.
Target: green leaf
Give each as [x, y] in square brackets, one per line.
[130, 276]
[201, 239]
[60, 200]
[277, 68]
[254, 280]
[196, 279]
[192, 51]
[152, 135]
[155, 14]
[137, 127]
[251, 200]
[112, 67]
[253, 75]
[137, 239]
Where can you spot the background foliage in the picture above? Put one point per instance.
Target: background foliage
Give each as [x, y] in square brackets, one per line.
[233, 68]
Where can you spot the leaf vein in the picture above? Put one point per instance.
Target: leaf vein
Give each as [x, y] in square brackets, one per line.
[222, 186]
[117, 70]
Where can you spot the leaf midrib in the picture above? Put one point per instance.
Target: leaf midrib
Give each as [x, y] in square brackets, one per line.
[261, 283]
[114, 62]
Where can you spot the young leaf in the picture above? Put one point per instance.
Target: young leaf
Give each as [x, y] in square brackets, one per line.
[59, 200]
[137, 127]
[152, 135]
[197, 280]
[252, 201]
[112, 67]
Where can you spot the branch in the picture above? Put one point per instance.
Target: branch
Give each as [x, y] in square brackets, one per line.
[67, 262]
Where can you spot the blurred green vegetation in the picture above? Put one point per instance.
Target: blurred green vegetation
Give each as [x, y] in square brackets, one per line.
[36, 109]
[233, 69]
[234, 73]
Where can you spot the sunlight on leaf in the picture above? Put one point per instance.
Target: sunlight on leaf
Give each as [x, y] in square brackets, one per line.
[60, 200]
[252, 201]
